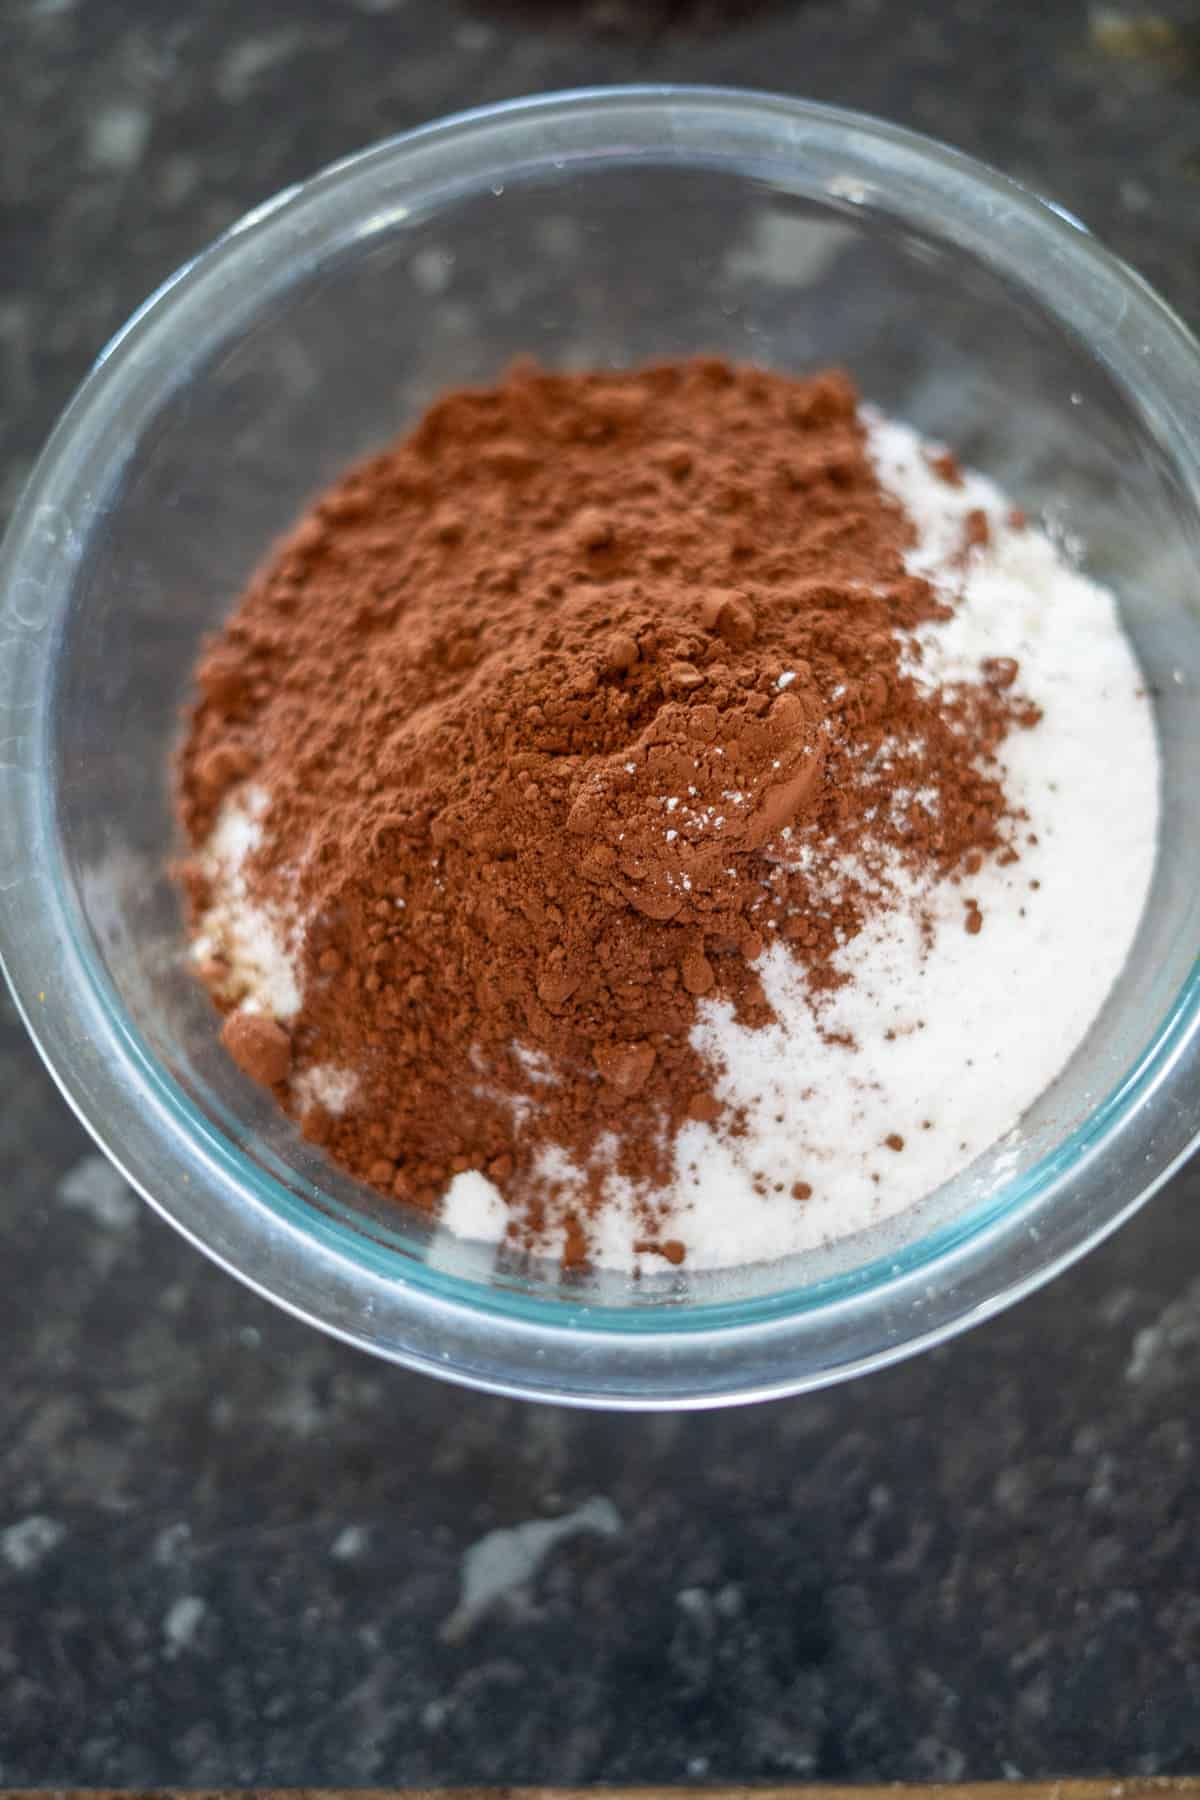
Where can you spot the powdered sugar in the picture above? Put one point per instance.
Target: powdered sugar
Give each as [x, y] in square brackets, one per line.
[325, 1085]
[934, 1048]
[256, 943]
[475, 1208]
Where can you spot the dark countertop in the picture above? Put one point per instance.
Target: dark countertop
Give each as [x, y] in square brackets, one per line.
[229, 1549]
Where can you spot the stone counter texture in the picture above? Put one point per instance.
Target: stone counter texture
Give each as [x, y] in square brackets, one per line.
[232, 1552]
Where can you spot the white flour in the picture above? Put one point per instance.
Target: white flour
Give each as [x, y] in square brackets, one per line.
[257, 943]
[327, 1086]
[954, 1042]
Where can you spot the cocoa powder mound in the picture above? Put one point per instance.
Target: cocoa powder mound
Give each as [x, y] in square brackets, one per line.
[564, 707]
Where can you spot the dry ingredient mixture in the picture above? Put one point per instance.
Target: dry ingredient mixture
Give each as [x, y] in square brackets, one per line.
[621, 813]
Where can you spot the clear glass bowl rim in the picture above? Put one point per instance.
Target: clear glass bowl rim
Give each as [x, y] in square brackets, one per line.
[228, 1206]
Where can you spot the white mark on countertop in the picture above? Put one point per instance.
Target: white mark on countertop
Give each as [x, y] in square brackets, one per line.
[295, 1408]
[784, 250]
[1169, 1350]
[28, 1543]
[509, 1558]
[170, 1543]
[349, 1543]
[95, 1187]
[117, 136]
[432, 269]
[245, 65]
[182, 1623]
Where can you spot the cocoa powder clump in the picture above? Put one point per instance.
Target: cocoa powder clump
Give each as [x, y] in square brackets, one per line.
[261, 1047]
[564, 707]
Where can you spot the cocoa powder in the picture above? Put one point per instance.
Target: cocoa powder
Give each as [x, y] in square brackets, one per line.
[564, 707]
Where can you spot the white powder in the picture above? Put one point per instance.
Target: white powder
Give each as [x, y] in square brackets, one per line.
[537, 1066]
[952, 1043]
[260, 944]
[257, 942]
[477, 1207]
[325, 1085]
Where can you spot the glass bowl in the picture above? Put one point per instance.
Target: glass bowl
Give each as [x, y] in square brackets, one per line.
[598, 228]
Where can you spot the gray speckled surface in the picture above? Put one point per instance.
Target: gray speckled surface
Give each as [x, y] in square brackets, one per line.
[233, 1552]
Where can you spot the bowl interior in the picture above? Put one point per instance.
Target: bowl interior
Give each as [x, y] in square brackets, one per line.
[332, 341]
